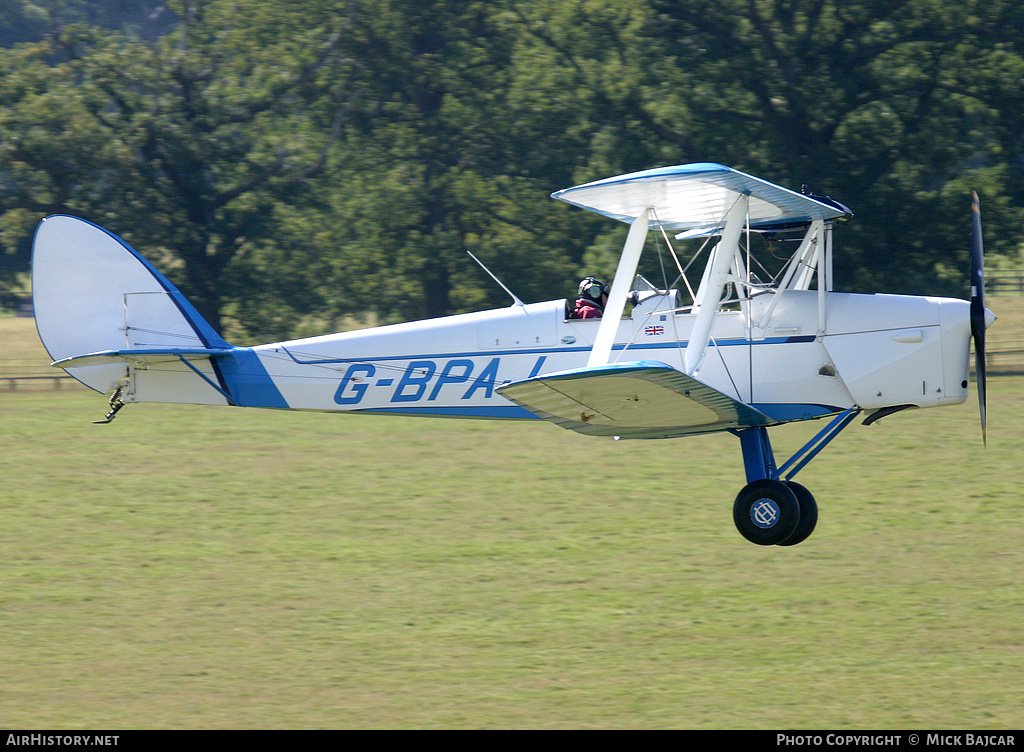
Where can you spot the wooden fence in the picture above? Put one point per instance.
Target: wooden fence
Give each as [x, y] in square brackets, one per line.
[1004, 350]
[54, 382]
[1004, 354]
[1004, 283]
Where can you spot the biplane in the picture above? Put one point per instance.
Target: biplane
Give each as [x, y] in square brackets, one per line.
[737, 353]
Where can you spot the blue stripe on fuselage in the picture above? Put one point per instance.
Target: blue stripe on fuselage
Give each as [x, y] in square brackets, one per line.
[548, 350]
[247, 381]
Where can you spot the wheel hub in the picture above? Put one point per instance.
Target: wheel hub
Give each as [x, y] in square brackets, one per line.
[764, 513]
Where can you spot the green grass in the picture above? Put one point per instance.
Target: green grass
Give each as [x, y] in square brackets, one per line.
[190, 567]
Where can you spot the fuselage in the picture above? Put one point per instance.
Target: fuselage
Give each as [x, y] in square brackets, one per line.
[803, 356]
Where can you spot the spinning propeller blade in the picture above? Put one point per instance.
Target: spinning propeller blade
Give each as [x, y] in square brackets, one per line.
[978, 307]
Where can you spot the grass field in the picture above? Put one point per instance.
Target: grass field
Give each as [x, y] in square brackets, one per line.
[190, 567]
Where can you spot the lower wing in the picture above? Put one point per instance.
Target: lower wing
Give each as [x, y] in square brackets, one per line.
[636, 400]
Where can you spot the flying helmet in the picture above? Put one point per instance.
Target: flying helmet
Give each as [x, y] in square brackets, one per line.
[592, 289]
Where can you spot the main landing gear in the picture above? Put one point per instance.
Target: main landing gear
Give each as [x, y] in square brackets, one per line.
[770, 511]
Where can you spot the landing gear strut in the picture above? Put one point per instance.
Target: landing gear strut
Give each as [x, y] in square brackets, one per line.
[116, 403]
[770, 511]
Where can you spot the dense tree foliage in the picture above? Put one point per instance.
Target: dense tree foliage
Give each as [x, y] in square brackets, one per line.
[30, 20]
[187, 144]
[287, 162]
[888, 105]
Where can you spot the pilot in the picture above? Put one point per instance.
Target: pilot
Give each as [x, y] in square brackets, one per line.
[591, 300]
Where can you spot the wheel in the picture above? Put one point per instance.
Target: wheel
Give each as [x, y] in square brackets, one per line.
[808, 514]
[766, 512]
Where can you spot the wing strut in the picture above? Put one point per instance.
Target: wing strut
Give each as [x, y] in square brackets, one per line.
[628, 261]
[709, 296]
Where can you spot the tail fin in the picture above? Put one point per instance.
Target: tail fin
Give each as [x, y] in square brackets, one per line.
[93, 293]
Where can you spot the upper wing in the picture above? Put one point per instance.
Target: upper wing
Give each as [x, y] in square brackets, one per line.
[696, 197]
[638, 400]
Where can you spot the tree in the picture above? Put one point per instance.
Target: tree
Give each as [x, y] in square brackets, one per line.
[879, 103]
[438, 163]
[52, 157]
[282, 159]
[192, 141]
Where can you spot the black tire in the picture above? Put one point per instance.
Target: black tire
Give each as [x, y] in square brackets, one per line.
[808, 514]
[766, 512]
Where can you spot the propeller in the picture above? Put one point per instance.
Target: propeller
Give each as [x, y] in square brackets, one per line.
[978, 307]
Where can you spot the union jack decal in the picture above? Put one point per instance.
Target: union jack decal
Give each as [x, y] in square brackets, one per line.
[652, 331]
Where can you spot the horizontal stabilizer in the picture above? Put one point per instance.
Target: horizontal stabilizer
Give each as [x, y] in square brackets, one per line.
[141, 356]
[636, 400]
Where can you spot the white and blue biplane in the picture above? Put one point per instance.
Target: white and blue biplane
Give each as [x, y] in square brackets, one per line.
[737, 355]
